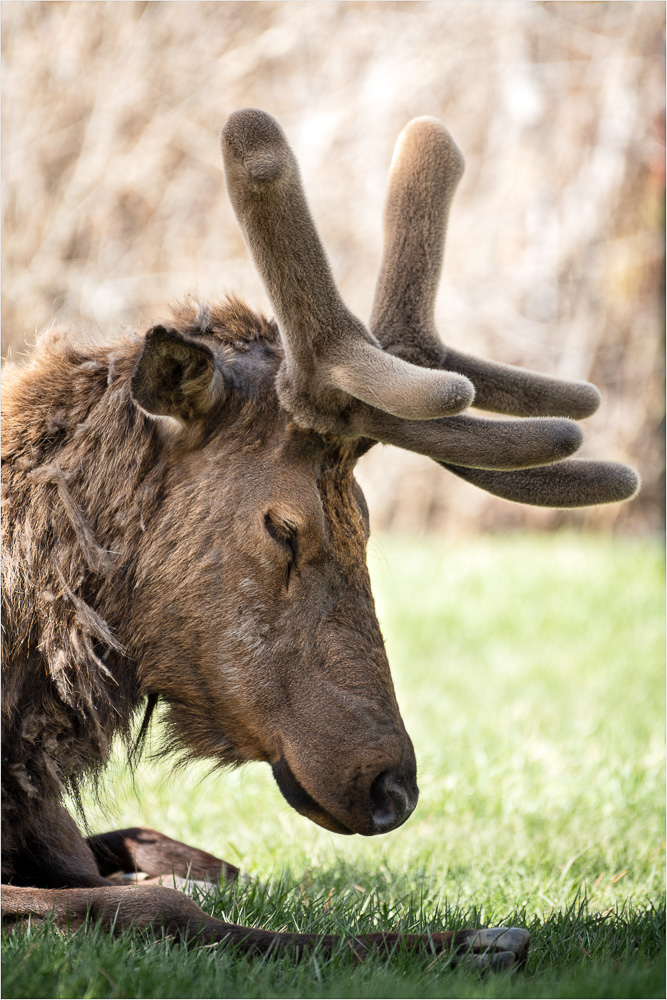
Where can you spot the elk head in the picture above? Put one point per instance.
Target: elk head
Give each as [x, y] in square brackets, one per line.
[257, 624]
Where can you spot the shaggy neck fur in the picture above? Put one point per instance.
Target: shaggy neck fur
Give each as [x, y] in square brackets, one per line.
[83, 469]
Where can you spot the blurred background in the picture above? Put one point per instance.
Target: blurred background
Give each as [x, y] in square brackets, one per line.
[113, 197]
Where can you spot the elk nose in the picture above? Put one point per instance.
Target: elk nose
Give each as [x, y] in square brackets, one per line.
[393, 799]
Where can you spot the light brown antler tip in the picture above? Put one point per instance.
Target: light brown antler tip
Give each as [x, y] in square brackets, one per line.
[423, 141]
[397, 387]
[629, 482]
[588, 400]
[253, 140]
[426, 167]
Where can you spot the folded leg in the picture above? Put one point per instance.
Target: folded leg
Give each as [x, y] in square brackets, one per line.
[140, 849]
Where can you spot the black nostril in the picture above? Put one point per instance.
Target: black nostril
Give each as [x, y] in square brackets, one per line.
[392, 801]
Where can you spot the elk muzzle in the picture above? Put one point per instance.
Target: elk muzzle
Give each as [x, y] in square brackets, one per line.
[366, 808]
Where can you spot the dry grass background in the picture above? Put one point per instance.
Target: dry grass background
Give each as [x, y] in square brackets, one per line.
[114, 202]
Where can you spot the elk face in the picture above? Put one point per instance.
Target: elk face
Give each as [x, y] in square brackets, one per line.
[255, 611]
[319, 686]
[340, 752]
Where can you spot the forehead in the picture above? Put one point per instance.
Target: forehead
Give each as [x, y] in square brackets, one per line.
[297, 469]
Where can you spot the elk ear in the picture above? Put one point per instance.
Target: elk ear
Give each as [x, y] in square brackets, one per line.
[177, 377]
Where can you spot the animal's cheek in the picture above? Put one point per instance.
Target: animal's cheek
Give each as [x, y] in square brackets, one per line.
[252, 706]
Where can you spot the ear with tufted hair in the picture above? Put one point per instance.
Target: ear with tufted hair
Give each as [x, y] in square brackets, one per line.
[177, 377]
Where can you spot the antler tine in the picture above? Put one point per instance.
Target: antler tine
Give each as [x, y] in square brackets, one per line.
[477, 443]
[425, 170]
[424, 174]
[331, 358]
[576, 482]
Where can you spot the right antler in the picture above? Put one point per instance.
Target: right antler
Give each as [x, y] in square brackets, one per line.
[336, 378]
[425, 171]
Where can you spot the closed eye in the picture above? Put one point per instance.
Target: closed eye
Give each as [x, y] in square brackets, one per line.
[285, 534]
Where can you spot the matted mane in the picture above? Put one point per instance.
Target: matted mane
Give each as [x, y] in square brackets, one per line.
[69, 403]
[231, 322]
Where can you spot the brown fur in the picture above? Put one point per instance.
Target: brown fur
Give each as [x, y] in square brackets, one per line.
[137, 562]
[82, 472]
[147, 556]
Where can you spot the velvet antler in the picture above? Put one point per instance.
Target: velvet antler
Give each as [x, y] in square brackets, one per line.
[331, 358]
[425, 171]
[336, 377]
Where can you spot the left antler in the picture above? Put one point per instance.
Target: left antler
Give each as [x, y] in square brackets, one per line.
[425, 171]
[331, 358]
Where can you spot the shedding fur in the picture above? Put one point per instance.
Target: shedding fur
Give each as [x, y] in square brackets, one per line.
[83, 467]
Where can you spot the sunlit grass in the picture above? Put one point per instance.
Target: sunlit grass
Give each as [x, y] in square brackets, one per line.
[530, 675]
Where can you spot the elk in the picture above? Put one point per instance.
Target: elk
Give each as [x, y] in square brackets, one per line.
[182, 525]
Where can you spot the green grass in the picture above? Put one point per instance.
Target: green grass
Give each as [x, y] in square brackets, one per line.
[530, 675]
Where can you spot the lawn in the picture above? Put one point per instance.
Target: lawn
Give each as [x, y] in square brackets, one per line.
[530, 675]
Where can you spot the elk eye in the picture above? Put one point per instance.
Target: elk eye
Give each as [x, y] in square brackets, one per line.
[285, 535]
